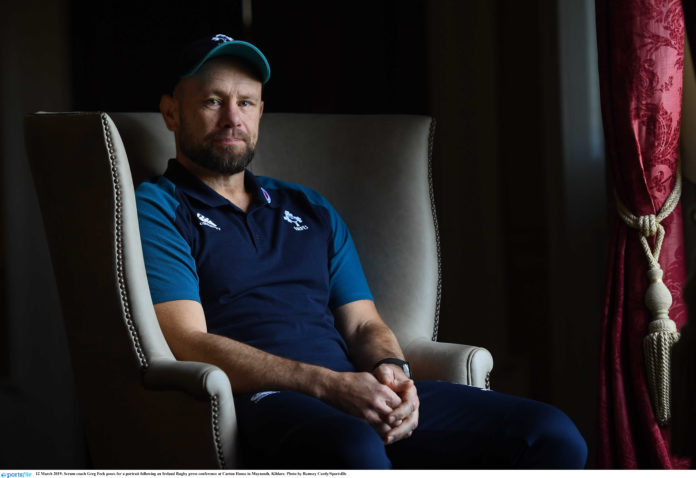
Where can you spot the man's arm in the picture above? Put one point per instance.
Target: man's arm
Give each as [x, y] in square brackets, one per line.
[369, 340]
[252, 370]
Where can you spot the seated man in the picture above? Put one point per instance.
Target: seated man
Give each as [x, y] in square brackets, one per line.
[261, 278]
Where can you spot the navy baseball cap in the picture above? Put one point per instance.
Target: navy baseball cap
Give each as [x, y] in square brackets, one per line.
[197, 53]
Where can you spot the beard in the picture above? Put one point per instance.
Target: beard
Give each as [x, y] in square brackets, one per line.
[226, 160]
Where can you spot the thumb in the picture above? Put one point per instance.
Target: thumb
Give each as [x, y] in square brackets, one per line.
[401, 385]
[385, 375]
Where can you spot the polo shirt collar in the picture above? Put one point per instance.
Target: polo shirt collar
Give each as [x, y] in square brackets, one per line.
[197, 189]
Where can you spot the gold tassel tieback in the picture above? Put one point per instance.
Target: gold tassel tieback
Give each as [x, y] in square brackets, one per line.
[657, 345]
[662, 331]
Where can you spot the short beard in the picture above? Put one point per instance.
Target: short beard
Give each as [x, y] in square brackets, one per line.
[226, 162]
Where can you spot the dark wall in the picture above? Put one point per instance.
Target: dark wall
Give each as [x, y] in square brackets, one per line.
[121, 52]
[326, 57]
[38, 410]
[344, 57]
[488, 71]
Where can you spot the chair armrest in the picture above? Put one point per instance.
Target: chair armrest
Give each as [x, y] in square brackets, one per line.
[465, 364]
[204, 384]
[198, 379]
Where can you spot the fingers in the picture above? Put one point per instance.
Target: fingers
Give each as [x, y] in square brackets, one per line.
[391, 409]
[380, 408]
[384, 404]
[404, 418]
[381, 428]
[365, 397]
[402, 386]
[404, 430]
[409, 403]
[401, 413]
[385, 400]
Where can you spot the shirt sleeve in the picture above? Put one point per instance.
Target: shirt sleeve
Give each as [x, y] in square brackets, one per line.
[171, 269]
[347, 282]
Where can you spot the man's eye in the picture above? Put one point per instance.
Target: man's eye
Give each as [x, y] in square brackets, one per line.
[244, 103]
[213, 101]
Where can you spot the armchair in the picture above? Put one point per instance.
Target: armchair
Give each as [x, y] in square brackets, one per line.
[142, 408]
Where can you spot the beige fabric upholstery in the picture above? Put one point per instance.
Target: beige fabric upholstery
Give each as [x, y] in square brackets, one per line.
[142, 408]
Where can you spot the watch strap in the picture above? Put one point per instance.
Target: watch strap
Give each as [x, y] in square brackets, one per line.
[405, 366]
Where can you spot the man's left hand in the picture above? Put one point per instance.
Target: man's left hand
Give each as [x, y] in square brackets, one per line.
[403, 420]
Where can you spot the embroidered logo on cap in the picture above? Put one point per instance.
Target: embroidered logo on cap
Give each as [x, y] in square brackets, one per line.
[206, 222]
[220, 38]
[295, 220]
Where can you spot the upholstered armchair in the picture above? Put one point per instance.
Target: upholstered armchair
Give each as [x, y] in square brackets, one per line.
[141, 408]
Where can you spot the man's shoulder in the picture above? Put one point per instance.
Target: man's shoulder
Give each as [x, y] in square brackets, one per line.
[156, 187]
[158, 192]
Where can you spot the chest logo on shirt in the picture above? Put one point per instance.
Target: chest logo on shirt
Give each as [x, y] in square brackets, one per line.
[296, 221]
[266, 195]
[206, 222]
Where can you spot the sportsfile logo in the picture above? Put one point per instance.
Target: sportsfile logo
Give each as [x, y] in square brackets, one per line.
[15, 474]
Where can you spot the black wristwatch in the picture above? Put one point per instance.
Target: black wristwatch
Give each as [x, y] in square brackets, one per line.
[395, 361]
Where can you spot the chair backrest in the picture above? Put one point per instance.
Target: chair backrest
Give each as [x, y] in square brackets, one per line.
[58, 146]
[375, 170]
[85, 191]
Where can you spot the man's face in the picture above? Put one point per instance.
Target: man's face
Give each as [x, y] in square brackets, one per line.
[219, 110]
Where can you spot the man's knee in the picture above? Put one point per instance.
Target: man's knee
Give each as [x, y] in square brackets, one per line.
[358, 446]
[552, 440]
[347, 443]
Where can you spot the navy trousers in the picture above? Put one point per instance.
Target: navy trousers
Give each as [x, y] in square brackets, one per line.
[459, 427]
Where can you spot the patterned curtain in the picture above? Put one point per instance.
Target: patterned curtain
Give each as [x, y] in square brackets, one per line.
[641, 56]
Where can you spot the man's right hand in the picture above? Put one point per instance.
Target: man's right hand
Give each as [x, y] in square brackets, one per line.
[404, 418]
[362, 395]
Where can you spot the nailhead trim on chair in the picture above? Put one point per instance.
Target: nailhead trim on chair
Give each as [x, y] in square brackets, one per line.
[119, 246]
[216, 428]
[214, 402]
[431, 141]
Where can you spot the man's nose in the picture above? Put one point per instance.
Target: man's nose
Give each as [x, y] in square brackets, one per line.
[230, 116]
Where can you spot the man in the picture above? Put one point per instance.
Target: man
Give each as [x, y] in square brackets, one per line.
[319, 379]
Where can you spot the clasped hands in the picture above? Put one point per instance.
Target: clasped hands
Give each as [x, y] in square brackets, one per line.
[385, 398]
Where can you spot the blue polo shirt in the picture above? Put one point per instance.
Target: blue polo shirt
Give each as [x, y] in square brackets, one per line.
[269, 277]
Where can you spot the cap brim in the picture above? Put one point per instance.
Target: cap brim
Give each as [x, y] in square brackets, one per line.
[240, 49]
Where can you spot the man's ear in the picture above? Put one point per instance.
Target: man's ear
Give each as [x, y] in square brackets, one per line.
[169, 107]
[261, 113]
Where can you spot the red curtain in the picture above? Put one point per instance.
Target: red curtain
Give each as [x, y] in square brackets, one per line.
[641, 57]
